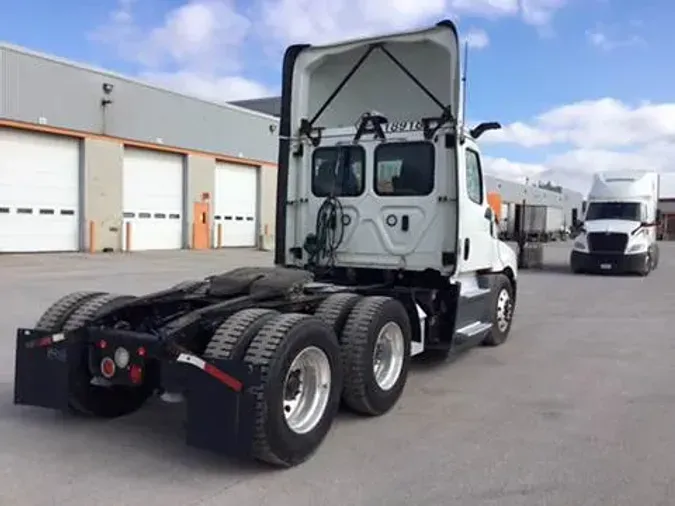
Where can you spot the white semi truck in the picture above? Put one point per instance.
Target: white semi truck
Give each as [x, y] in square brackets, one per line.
[619, 229]
[386, 248]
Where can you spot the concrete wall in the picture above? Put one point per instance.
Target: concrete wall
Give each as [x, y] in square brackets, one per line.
[103, 160]
[268, 206]
[40, 89]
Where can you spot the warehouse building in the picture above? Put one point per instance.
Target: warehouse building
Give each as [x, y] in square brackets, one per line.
[94, 161]
[571, 202]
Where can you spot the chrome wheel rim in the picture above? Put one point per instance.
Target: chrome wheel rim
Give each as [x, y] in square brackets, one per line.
[503, 310]
[306, 390]
[388, 355]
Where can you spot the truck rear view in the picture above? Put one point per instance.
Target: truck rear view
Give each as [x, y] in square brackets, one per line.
[619, 229]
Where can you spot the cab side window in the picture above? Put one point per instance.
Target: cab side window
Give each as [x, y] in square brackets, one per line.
[474, 177]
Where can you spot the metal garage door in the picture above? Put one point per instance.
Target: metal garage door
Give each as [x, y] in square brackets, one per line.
[152, 200]
[39, 192]
[235, 205]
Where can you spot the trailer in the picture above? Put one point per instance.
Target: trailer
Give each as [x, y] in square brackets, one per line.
[385, 249]
[540, 223]
[555, 224]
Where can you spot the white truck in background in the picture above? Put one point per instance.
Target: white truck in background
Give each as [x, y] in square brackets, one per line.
[618, 233]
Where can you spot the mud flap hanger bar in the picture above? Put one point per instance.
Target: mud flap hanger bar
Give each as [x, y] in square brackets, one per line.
[373, 123]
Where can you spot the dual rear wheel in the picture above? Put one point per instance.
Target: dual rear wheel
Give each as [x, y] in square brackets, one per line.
[85, 398]
[353, 350]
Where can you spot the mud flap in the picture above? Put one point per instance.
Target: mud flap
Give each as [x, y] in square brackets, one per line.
[220, 419]
[42, 371]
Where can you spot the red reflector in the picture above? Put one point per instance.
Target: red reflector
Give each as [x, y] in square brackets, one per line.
[102, 344]
[44, 341]
[231, 382]
[108, 367]
[141, 352]
[135, 374]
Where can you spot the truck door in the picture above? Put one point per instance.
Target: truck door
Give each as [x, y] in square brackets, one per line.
[476, 242]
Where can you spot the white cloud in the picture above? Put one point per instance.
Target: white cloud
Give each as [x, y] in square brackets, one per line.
[603, 123]
[329, 20]
[210, 86]
[196, 48]
[598, 135]
[604, 39]
[477, 39]
[540, 12]
[514, 171]
[199, 45]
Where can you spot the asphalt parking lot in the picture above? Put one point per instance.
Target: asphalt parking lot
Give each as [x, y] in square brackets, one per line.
[577, 408]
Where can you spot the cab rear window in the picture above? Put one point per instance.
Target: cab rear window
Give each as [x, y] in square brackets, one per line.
[404, 169]
[338, 171]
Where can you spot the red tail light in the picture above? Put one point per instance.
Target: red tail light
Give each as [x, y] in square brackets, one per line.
[136, 374]
[107, 367]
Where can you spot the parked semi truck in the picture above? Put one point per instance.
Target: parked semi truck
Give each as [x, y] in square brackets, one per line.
[618, 233]
[385, 249]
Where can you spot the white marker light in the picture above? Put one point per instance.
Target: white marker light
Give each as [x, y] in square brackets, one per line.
[121, 357]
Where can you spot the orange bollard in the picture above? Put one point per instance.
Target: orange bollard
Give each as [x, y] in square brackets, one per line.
[127, 228]
[92, 237]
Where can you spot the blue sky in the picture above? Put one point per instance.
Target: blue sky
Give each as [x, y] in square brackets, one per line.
[606, 56]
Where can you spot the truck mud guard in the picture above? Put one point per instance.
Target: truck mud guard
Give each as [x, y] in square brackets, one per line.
[43, 364]
[220, 406]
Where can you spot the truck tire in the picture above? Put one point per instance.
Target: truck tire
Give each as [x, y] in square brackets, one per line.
[53, 319]
[92, 400]
[335, 310]
[234, 335]
[375, 349]
[501, 307]
[294, 351]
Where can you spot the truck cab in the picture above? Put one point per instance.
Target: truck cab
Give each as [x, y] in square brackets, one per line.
[618, 233]
[372, 132]
[380, 181]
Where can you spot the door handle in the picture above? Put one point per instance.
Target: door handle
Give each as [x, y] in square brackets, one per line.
[467, 247]
[405, 222]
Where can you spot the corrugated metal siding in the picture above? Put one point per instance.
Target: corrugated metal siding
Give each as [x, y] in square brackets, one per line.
[267, 105]
[70, 97]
